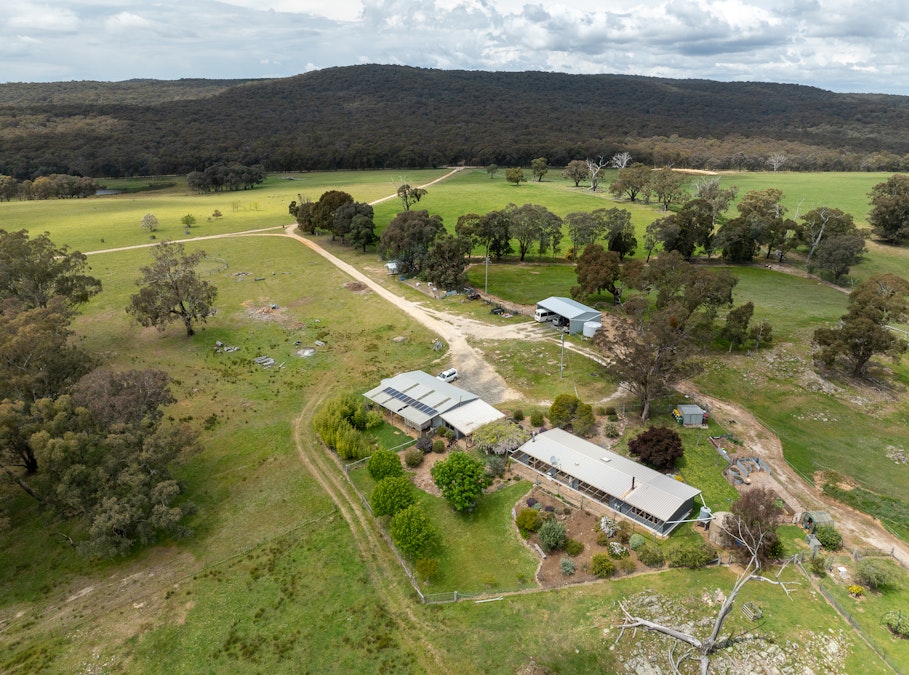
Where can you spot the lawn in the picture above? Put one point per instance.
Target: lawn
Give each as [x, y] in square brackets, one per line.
[479, 552]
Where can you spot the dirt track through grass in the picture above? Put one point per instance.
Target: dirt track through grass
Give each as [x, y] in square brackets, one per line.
[384, 569]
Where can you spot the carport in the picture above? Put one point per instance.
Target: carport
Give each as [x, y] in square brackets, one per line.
[572, 313]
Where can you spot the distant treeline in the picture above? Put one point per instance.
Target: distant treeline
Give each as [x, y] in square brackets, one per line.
[364, 117]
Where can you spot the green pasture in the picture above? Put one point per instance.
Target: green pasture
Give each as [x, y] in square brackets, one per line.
[272, 578]
[803, 192]
[248, 482]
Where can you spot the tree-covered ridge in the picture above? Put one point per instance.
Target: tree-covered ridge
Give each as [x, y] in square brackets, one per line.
[395, 116]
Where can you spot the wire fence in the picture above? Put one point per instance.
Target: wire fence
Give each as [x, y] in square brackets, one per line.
[426, 599]
[847, 615]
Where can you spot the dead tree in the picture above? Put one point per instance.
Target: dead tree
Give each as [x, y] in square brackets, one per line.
[702, 649]
[595, 169]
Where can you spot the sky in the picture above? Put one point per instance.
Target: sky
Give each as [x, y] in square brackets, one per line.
[838, 45]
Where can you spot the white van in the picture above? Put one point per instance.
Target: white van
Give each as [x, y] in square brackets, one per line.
[542, 315]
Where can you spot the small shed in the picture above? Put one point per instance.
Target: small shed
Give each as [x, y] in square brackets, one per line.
[690, 415]
[391, 267]
[811, 520]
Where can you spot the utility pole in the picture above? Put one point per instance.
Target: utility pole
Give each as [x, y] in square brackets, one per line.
[486, 288]
[562, 358]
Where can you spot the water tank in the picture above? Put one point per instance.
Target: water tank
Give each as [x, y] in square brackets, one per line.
[591, 327]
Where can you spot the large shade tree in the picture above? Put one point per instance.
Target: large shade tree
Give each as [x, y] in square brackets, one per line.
[889, 216]
[170, 289]
[408, 239]
[863, 331]
[33, 270]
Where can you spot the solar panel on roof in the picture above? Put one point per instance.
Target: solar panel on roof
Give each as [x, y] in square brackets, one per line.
[409, 400]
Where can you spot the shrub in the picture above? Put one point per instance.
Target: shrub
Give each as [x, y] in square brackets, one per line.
[518, 415]
[424, 443]
[537, 418]
[829, 537]
[568, 566]
[651, 555]
[413, 532]
[608, 526]
[636, 540]
[528, 520]
[624, 532]
[384, 463]
[495, 465]
[818, 565]
[573, 547]
[392, 494]
[877, 573]
[552, 535]
[658, 447]
[461, 479]
[602, 538]
[549, 508]
[426, 568]
[617, 550]
[610, 411]
[531, 502]
[438, 446]
[856, 591]
[611, 430]
[627, 565]
[601, 565]
[413, 457]
[691, 555]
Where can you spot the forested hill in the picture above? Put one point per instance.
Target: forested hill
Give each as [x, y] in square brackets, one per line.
[376, 116]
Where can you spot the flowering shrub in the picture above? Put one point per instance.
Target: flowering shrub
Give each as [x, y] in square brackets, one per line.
[608, 526]
[617, 550]
[856, 591]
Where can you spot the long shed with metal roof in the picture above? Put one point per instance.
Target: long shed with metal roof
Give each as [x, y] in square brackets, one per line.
[656, 501]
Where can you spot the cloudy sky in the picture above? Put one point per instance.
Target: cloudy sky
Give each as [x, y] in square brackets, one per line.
[840, 45]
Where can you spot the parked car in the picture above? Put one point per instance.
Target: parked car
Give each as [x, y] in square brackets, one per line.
[449, 375]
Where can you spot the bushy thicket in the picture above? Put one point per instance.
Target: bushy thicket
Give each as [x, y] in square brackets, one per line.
[692, 555]
[340, 423]
[651, 555]
[413, 457]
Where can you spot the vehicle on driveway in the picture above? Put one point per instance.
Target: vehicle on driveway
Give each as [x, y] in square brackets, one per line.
[449, 375]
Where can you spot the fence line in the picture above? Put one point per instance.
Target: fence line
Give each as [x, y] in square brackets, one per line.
[846, 615]
[430, 599]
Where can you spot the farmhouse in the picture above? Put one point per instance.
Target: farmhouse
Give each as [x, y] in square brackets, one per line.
[568, 313]
[656, 501]
[424, 402]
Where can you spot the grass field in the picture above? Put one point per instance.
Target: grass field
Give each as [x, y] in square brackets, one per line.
[272, 577]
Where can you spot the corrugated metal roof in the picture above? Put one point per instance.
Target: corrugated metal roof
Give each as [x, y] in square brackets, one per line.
[569, 308]
[469, 416]
[423, 388]
[653, 492]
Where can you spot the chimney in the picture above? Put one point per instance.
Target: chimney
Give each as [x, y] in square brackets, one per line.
[632, 482]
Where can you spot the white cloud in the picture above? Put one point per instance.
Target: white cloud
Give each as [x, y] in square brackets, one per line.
[835, 44]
